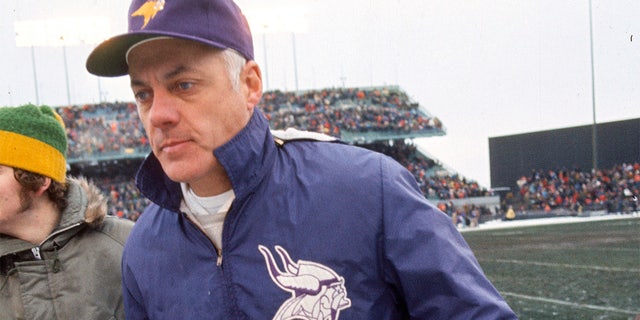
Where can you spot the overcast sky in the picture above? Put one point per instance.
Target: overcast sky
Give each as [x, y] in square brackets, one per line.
[485, 68]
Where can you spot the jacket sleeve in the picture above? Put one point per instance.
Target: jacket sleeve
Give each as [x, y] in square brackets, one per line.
[427, 259]
[133, 307]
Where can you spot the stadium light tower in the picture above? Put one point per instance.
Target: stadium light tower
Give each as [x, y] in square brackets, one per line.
[62, 33]
[594, 134]
[278, 20]
[264, 53]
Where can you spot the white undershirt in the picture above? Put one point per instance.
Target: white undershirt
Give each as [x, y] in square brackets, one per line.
[207, 212]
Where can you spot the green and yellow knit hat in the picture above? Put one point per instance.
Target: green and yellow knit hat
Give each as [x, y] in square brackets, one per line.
[33, 139]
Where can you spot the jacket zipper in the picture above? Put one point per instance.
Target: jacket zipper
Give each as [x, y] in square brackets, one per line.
[36, 253]
[56, 262]
[219, 261]
[216, 249]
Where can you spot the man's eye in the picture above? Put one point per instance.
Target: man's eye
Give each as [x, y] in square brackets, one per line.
[185, 85]
[141, 95]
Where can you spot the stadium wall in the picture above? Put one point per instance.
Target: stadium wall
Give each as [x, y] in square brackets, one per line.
[514, 156]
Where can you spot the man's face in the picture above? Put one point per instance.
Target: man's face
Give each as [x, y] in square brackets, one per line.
[14, 200]
[188, 106]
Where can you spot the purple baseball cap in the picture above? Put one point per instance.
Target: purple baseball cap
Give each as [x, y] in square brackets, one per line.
[218, 23]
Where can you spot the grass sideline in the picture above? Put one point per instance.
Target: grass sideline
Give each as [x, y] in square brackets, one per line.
[563, 268]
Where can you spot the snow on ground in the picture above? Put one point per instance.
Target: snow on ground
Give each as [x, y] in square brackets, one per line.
[500, 224]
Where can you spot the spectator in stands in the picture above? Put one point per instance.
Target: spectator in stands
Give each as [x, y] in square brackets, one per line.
[355, 236]
[511, 214]
[59, 254]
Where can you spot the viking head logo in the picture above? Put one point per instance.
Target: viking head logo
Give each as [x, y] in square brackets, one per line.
[317, 292]
[148, 10]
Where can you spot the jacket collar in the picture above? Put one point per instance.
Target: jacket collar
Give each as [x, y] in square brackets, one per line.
[246, 158]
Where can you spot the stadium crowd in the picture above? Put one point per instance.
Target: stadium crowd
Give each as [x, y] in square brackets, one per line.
[331, 111]
[613, 189]
[123, 197]
[433, 180]
[110, 130]
[102, 130]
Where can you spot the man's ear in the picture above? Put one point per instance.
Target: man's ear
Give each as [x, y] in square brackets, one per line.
[45, 185]
[252, 77]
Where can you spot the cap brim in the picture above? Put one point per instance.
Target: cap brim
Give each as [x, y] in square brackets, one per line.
[109, 58]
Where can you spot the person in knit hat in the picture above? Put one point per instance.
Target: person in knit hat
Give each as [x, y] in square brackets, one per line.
[59, 251]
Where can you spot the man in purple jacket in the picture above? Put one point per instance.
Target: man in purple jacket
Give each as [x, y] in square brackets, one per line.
[250, 224]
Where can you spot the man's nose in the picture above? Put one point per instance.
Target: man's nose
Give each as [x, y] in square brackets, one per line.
[164, 110]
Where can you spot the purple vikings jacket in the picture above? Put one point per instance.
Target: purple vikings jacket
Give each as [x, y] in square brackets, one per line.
[318, 230]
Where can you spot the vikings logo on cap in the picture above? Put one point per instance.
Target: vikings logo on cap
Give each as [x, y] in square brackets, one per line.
[148, 10]
[217, 23]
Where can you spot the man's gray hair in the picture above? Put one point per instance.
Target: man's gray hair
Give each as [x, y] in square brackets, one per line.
[234, 62]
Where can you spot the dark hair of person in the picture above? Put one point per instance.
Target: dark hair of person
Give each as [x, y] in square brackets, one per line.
[32, 182]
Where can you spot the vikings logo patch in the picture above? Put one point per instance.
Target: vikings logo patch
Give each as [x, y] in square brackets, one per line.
[317, 292]
[149, 10]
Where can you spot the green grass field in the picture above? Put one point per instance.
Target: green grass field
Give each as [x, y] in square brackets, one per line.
[584, 270]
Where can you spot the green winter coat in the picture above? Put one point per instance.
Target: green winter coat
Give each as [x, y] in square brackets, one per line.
[78, 276]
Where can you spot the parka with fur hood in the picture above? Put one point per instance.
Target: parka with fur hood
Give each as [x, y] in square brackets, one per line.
[75, 272]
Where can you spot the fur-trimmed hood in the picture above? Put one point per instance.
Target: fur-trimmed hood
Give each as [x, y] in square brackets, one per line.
[85, 203]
